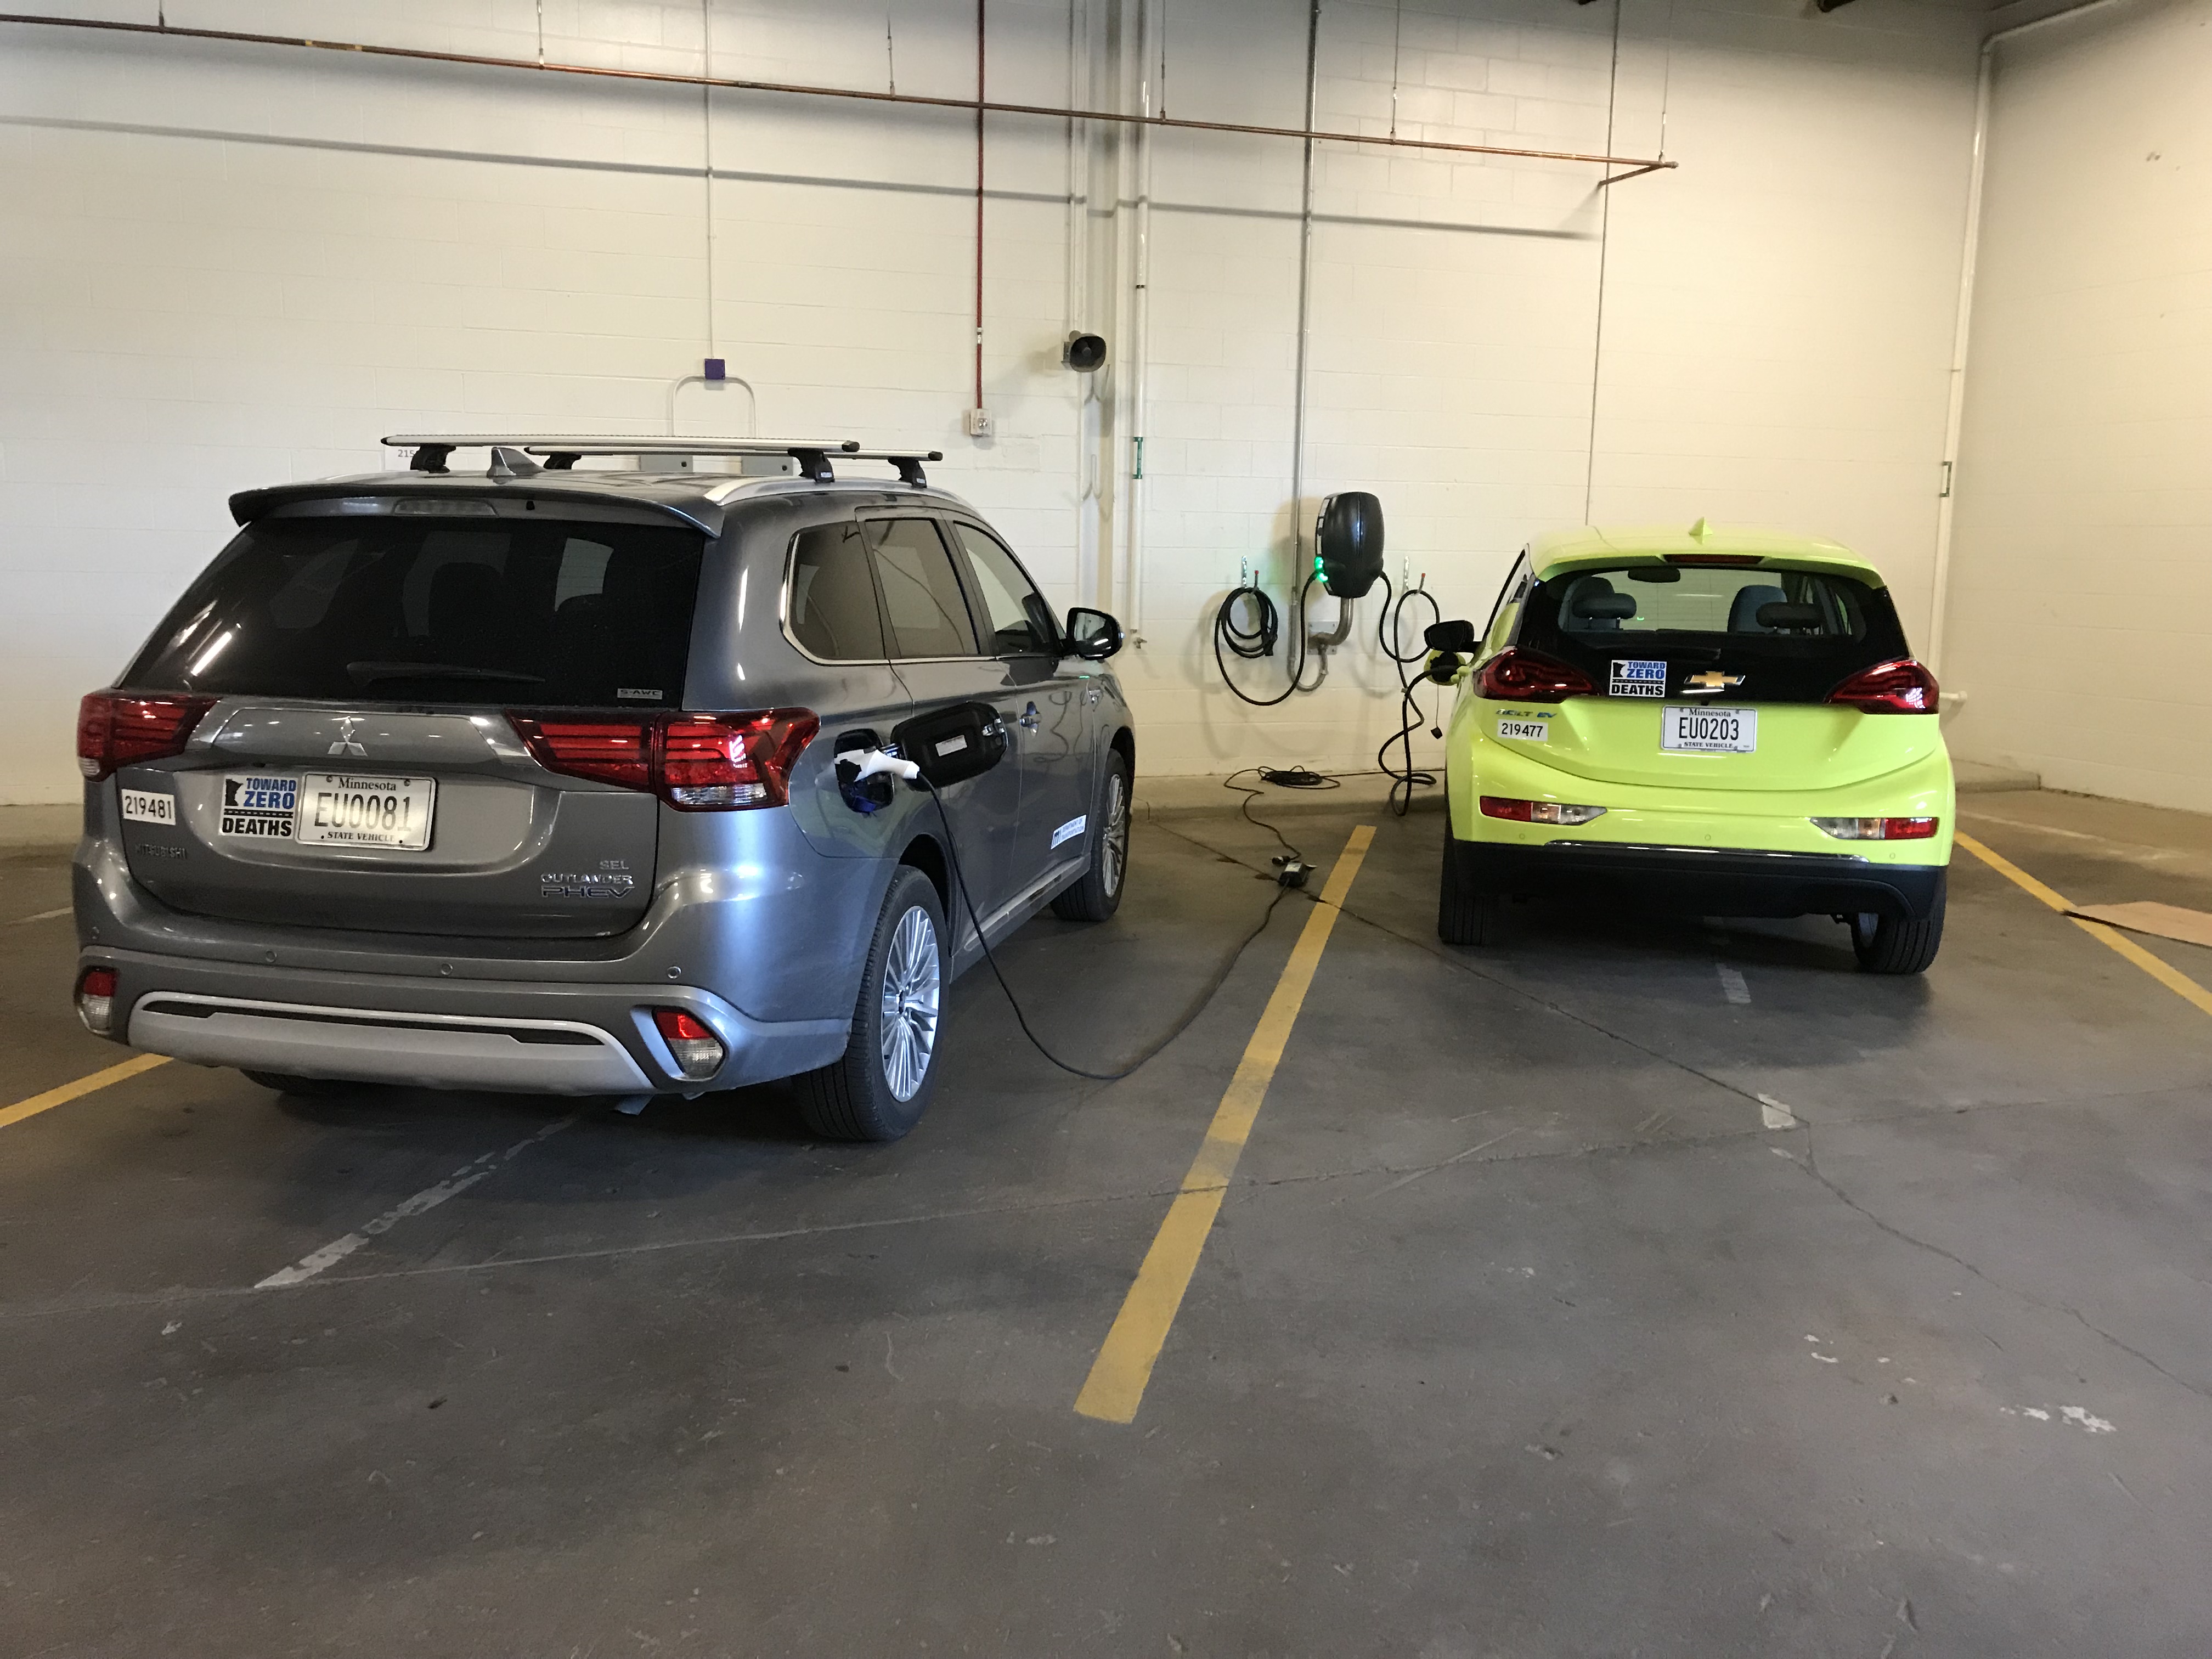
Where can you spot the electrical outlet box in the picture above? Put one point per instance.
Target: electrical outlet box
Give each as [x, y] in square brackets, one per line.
[979, 422]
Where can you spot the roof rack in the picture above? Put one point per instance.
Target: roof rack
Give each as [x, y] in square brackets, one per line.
[511, 453]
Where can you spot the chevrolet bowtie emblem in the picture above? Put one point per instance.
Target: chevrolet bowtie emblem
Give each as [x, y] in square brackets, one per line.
[1712, 680]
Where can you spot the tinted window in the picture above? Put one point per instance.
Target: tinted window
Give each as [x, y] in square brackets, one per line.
[921, 596]
[415, 610]
[1020, 620]
[1779, 635]
[833, 597]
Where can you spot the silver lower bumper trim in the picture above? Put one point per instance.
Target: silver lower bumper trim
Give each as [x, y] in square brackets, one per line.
[433, 1051]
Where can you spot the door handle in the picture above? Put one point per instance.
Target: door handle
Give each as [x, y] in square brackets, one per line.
[1028, 721]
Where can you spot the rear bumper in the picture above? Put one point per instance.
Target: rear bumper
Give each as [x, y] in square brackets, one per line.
[1702, 881]
[515, 1037]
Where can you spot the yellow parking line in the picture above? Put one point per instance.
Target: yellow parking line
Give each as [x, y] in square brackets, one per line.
[83, 1086]
[1115, 1386]
[2157, 967]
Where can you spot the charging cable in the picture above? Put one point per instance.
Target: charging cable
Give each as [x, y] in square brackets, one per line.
[1250, 644]
[875, 761]
[1390, 628]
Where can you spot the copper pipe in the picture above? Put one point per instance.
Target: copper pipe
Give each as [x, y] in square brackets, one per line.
[979, 205]
[234, 37]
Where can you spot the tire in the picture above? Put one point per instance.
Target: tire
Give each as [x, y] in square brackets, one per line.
[1467, 914]
[1099, 894]
[307, 1088]
[1891, 945]
[881, 1085]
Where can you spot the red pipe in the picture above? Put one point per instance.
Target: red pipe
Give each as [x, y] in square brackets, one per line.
[235, 37]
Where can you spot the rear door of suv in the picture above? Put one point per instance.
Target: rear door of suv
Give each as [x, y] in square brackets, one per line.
[1048, 697]
[935, 646]
[364, 679]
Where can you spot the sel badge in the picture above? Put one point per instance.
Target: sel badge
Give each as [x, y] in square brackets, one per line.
[1633, 677]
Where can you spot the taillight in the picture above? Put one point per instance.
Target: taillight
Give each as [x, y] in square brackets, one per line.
[1530, 675]
[95, 1000]
[1877, 829]
[713, 763]
[1901, 686]
[696, 762]
[609, 752]
[698, 1052]
[116, 729]
[1538, 812]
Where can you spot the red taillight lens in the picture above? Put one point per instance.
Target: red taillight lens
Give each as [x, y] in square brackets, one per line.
[115, 729]
[678, 1026]
[1538, 812]
[715, 762]
[95, 1000]
[1878, 829]
[1515, 674]
[1902, 687]
[698, 1053]
[611, 751]
[696, 762]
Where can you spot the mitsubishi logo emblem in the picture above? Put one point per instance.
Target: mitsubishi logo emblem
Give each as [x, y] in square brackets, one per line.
[1712, 680]
[346, 745]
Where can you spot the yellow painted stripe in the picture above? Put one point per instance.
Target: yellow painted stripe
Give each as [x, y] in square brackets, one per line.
[1115, 1386]
[2157, 967]
[83, 1086]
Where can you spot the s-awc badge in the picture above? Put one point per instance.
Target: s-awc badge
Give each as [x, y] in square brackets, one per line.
[1634, 676]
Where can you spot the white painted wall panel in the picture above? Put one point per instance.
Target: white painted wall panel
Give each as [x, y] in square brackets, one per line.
[228, 267]
[2081, 608]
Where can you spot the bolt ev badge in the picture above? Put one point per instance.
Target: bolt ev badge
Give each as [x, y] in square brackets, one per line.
[1712, 680]
[346, 745]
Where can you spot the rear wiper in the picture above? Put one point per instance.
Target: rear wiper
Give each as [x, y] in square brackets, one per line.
[368, 673]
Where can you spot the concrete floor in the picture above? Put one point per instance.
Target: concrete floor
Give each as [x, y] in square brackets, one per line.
[1519, 1334]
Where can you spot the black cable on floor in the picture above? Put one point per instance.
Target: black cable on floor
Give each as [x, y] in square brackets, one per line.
[1196, 1008]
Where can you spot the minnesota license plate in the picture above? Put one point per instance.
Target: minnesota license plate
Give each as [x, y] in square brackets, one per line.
[365, 809]
[1701, 729]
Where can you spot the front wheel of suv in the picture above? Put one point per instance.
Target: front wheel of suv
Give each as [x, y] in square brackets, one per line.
[1099, 894]
[878, 1089]
[1892, 944]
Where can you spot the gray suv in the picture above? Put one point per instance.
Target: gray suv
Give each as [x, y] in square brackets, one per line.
[572, 781]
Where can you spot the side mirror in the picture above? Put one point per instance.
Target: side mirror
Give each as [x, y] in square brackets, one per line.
[1349, 538]
[1092, 635]
[1447, 639]
[1456, 635]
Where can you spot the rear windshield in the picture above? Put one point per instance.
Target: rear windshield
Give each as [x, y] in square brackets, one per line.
[416, 610]
[1803, 629]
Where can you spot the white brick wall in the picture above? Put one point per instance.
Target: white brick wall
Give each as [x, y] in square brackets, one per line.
[2081, 610]
[228, 267]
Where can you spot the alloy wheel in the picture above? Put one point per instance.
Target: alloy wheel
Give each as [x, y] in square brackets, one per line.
[911, 991]
[1117, 838]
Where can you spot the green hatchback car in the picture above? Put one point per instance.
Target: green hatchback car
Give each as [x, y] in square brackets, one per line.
[1709, 721]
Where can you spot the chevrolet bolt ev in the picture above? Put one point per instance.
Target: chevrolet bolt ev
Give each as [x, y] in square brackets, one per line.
[1721, 723]
[545, 780]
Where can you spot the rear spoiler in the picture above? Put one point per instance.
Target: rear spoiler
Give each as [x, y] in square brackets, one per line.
[376, 497]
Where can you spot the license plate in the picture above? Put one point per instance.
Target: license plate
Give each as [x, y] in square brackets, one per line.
[365, 809]
[1701, 729]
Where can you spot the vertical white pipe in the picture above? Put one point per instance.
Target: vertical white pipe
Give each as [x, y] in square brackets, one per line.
[1141, 328]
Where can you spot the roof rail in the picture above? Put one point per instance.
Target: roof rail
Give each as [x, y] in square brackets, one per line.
[510, 452]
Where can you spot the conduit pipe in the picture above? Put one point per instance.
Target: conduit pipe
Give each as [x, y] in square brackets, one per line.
[1635, 164]
[1954, 414]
